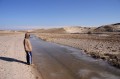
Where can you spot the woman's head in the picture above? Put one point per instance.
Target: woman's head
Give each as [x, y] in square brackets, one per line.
[27, 35]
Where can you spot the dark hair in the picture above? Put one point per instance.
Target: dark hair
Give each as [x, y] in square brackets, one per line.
[27, 35]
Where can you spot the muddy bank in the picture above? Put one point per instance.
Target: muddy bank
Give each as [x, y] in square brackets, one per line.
[104, 46]
[55, 61]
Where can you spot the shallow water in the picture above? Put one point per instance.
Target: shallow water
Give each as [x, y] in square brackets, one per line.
[55, 61]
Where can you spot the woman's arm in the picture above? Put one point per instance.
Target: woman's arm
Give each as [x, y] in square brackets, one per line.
[29, 46]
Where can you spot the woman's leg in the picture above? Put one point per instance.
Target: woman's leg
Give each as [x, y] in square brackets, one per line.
[27, 57]
[30, 57]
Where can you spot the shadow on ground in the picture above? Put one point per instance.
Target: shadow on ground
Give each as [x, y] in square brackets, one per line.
[12, 60]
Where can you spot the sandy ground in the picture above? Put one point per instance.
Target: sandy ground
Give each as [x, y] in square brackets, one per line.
[13, 59]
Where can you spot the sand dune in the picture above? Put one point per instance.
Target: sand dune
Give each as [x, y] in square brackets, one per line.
[78, 29]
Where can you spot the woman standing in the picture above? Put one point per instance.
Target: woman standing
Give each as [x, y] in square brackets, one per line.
[28, 48]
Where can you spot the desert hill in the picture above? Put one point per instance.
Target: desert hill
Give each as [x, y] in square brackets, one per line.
[78, 29]
[51, 30]
[74, 29]
[109, 28]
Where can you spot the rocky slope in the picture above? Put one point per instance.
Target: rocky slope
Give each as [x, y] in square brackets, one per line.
[109, 28]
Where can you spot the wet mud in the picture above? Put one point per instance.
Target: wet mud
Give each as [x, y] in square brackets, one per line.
[55, 61]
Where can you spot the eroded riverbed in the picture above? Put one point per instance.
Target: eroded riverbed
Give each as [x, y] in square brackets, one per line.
[55, 61]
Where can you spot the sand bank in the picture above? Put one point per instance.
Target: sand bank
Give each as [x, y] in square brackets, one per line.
[13, 58]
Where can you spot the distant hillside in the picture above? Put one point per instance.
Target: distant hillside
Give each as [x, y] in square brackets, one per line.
[5, 31]
[52, 30]
[78, 29]
[75, 29]
[108, 28]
